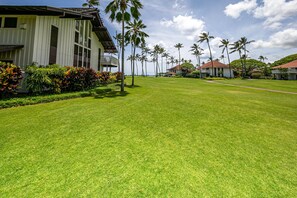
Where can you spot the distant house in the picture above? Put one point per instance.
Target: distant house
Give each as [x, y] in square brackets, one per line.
[175, 70]
[219, 70]
[48, 35]
[286, 71]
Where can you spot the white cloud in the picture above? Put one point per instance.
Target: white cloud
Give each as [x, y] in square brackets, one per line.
[186, 25]
[234, 10]
[178, 4]
[285, 39]
[276, 11]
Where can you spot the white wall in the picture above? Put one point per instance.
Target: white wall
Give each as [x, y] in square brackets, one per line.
[96, 44]
[66, 33]
[18, 36]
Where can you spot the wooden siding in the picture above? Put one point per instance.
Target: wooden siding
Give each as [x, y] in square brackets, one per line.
[65, 50]
[95, 51]
[18, 36]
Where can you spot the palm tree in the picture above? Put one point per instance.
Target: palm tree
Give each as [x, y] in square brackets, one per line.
[244, 42]
[237, 47]
[196, 51]
[118, 10]
[225, 46]
[172, 60]
[206, 37]
[262, 58]
[161, 52]
[156, 52]
[136, 34]
[91, 3]
[146, 50]
[166, 56]
[179, 46]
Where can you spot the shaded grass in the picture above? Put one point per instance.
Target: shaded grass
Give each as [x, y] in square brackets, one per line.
[168, 137]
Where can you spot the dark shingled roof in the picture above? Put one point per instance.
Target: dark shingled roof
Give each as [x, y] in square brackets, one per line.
[91, 14]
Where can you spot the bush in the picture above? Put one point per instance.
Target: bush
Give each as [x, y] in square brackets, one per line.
[40, 79]
[104, 77]
[10, 78]
[118, 76]
[215, 78]
[256, 75]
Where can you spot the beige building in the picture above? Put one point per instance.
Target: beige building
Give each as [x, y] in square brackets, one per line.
[48, 35]
[286, 71]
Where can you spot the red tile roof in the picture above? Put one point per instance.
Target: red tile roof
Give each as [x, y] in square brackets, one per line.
[292, 64]
[216, 64]
[178, 67]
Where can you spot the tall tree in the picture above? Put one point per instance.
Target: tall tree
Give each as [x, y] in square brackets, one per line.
[197, 52]
[225, 45]
[146, 50]
[119, 12]
[161, 52]
[179, 46]
[206, 37]
[244, 42]
[237, 47]
[172, 61]
[137, 36]
[91, 3]
[156, 52]
[166, 56]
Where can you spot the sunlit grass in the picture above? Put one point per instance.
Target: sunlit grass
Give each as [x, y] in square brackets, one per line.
[165, 138]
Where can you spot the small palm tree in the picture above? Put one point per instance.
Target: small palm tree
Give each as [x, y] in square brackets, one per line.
[206, 37]
[244, 42]
[118, 10]
[137, 36]
[91, 3]
[179, 46]
[196, 51]
[262, 58]
[156, 52]
[161, 52]
[172, 61]
[225, 45]
[166, 56]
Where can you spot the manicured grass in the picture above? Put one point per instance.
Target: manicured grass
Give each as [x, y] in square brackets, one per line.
[166, 138]
[281, 85]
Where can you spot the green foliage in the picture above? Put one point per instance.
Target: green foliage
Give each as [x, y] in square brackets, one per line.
[77, 79]
[10, 78]
[285, 60]
[250, 65]
[214, 78]
[56, 79]
[40, 79]
[256, 75]
[104, 77]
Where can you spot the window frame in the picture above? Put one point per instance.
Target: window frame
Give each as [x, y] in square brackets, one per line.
[16, 22]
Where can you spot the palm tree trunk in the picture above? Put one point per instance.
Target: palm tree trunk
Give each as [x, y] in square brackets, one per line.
[142, 69]
[179, 56]
[229, 62]
[133, 66]
[210, 57]
[242, 66]
[123, 51]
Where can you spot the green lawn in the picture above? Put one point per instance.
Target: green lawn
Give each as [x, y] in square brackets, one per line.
[166, 138]
[281, 85]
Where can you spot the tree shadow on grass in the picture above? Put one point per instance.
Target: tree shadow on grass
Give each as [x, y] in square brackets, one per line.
[131, 87]
[110, 94]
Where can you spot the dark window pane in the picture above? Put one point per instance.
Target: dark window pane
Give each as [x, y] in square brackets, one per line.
[76, 37]
[10, 22]
[0, 22]
[80, 56]
[89, 45]
[53, 45]
[99, 59]
[75, 56]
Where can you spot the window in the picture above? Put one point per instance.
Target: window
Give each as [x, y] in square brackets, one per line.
[76, 37]
[75, 56]
[10, 22]
[53, 45]
[0, 22]
[99, 60]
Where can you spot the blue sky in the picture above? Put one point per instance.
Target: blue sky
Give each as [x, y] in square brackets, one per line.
[271, 23]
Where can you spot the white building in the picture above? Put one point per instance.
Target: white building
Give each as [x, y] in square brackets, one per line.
[48, 35]
[219, 70]
[286, 71]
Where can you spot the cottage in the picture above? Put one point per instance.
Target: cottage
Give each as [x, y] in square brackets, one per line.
[219, 70]
[48, 35]
[286, 71]
[174, 70]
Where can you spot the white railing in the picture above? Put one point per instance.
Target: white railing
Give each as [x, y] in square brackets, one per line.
[109, 61]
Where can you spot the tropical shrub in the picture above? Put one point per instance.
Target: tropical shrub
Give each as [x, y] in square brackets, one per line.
[251, 64]
[196, 74]
[91, 78]
[118, 76]
[40, 79]
[256, 75]
[10, 78]
[104, 77]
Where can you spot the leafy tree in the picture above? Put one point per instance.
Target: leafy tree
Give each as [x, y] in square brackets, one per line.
[251, 64]
[225, 45]
[285, 60]
[187, 68]
[179, 46]
[118, 10]
[91, 3]
[206, 37]
[237, 47]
